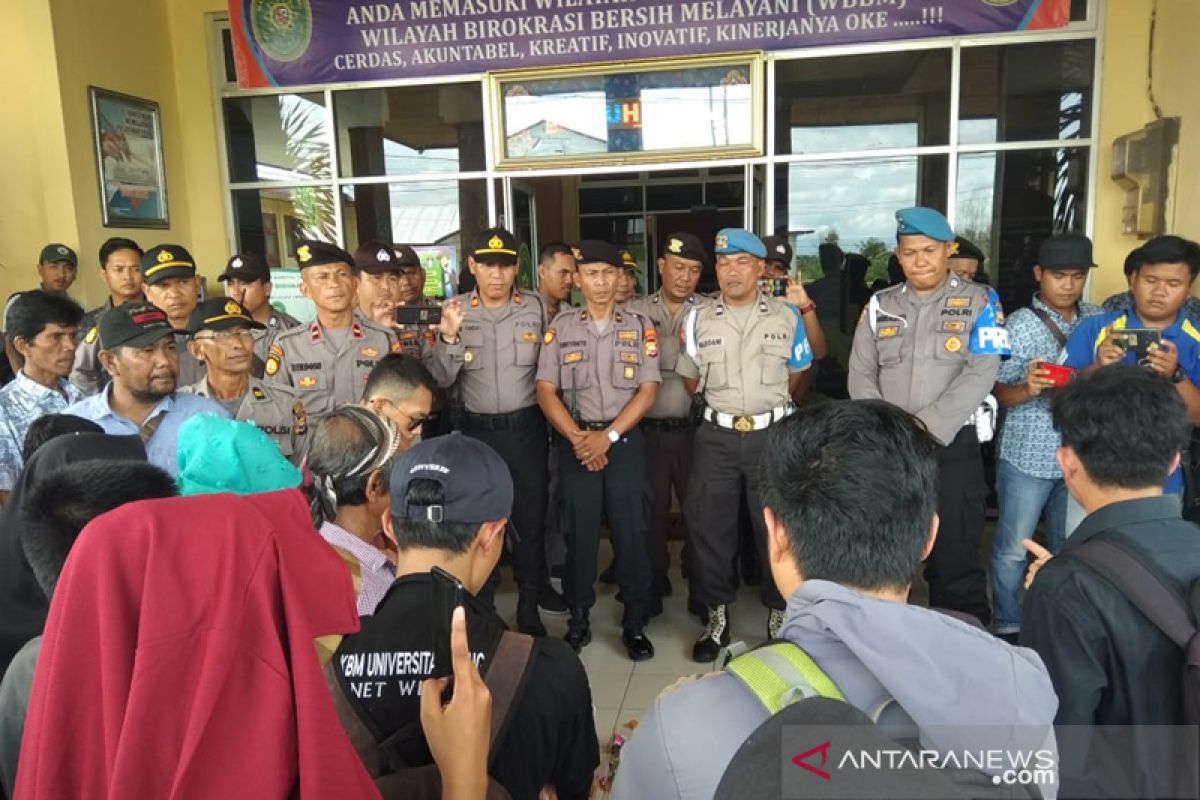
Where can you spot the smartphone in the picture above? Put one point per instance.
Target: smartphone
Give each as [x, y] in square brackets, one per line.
[1056, 372]
[1138, 340]
[418, 315]
[446, 594]
[779, 287]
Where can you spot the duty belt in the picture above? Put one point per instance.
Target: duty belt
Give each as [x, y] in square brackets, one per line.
[595, 426]
[501, 422]
[747, 423]
[668, 424]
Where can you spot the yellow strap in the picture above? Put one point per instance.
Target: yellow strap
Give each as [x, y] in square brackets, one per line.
[1117, 324]
[780, 673]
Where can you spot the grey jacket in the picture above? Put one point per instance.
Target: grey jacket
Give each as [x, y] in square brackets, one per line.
[940, 671]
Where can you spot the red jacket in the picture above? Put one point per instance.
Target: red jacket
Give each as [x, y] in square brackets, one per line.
[178, 658]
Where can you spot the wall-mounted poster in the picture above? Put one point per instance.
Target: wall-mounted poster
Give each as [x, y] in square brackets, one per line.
[129, 159]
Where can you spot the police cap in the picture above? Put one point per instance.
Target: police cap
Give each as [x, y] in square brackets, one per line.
[374, 257]
[311, 253]
[922, 221]
[629, 261]
[591, 251]
[246, 267]
[778, 249]
[495, 246]
[221, 314]
[686, 246]
[55, 252]
[739, 240]
[965, 248]
[167, 261]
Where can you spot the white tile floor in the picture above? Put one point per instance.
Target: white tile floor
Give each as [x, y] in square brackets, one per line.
[622, 690]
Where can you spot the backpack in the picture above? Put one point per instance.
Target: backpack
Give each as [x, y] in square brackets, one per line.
[797, 692]
[1146, 588]
[383, 759]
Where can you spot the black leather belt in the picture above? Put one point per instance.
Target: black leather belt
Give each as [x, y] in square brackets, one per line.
[679, 424]
[502, 422]
[595, 426]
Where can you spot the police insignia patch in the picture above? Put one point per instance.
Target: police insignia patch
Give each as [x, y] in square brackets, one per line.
[369, 352]
[468, 356]
[572, 358]
[303, 253]
[628, 357]
[888, 331]
[165, 256]
[307, 382]
[954, 327]
[722, 241]
[953, 344]
[629, 373]
[549, 337]
[529, 336]
[651, 348]
[91, 335]
[233, 308]
[272, 365]
[300, 418]
[395, 346]
[675, 246]
[259, 394]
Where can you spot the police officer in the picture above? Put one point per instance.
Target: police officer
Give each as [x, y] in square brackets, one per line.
[328, 361]
[627, 281]
[382, 286]
[223, 334]
[487, 359]
[966, 261]
[169, 281]
[247, 280]
[669, 425]
[743, 354]
[932, 345]
[121, 268]
[603, 359]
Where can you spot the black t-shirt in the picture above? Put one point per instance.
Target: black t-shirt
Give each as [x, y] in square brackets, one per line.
[550, 737]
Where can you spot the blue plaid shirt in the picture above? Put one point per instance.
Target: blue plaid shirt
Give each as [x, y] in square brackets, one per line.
[1028, 439]
[21, 402]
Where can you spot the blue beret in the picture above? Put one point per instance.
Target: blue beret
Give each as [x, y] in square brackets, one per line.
[921, 221]
[739, 240]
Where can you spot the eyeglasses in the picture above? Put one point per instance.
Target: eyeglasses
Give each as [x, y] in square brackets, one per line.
[414, 420]
[222, 337]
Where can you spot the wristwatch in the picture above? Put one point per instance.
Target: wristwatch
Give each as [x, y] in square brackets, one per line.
[613, 436]
[1178, 376]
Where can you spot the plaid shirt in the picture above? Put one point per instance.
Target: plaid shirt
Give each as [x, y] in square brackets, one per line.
[1028, 439]
[373, 573]
[21, 402]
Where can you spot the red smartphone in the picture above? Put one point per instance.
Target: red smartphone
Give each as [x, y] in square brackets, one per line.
[1056, 372]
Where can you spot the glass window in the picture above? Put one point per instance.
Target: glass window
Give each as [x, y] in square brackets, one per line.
[1027, 92]
[227, 52]
[725, 194]
[591, 115]
[863, 102]
[277, 137]
[272, 221]
[616, 199]
[1008, 202]
[379, 133]
[674, 196]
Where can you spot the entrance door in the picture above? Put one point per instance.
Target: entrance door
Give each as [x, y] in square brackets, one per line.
[703, 224]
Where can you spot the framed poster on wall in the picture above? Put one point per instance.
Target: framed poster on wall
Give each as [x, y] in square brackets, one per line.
[127, 133]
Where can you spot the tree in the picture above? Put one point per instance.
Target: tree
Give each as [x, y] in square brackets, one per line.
[871, 247]
[831, 237]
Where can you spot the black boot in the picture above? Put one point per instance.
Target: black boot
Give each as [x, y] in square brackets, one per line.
[528, 620]
[715, 636]
[637, 643]
[579, 631]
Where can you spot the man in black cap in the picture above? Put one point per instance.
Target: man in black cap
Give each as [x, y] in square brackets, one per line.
[121, 268]
[966, 261]
[328, 362]
[247, 280]
[779, 266]
[169, 276]
[603, 359]
[57, 268]
[137, 348]
[669, 426]
[486, 358]
[223, 341]
[627, 281]
[451, 499]
[383, 284]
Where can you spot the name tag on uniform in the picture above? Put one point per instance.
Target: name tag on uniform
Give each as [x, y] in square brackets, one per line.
[627, 336]
[888, 331]
[958, 302]
[953, 327]
[572, 358]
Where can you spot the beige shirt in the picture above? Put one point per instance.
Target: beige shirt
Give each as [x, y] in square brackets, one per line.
[598, 374]
[494, 363]
[273, 408]
[324, 378]
[744, 370]
[673, 400]
[915, 352]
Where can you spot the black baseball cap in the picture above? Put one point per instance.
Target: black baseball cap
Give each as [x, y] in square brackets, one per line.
[1066, 251]
[592, 250]
[965, 248]
[685, 245]
[220, 314]
[476, 484]
[406, 256]
[311, 253]
[374, 257]
[134, 325]
[246, 267]
[167, 261]
[496, 246]
[778, 249]
[55, 252]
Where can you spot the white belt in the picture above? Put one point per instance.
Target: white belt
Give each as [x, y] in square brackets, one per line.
[745, 423]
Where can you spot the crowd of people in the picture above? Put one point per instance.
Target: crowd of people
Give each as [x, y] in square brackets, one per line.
[225, 531]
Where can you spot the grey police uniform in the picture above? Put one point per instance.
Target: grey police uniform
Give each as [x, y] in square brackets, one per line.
[669, 426]
[490, 375]
[598, 375]
[743, 378]
[305, 359]
[277, 324]
[937, 357]
[274, 408]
